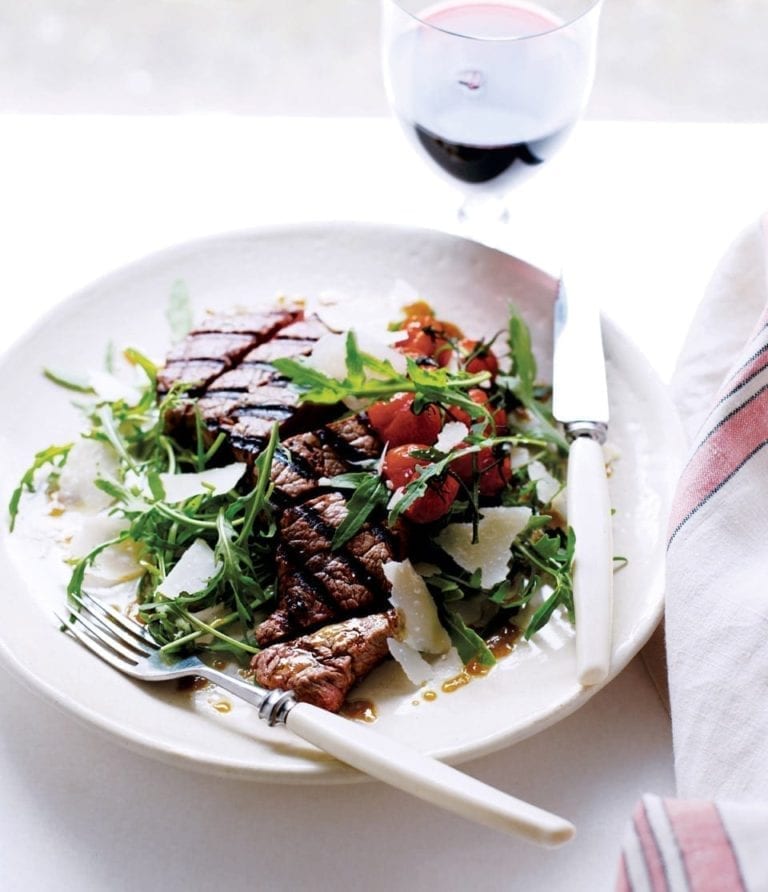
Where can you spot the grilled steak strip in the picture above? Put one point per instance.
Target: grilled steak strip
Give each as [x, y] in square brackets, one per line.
[317, 584]
[247, 400]
[325, 452]
[322, 667]
[218, 344]
[227, 363]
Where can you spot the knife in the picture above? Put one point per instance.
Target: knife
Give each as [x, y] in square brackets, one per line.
[580, 403]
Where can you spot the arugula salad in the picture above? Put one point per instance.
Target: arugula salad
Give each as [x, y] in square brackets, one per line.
[468, 471]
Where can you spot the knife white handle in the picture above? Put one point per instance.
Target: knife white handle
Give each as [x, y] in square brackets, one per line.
[589, 513]
[426, 778]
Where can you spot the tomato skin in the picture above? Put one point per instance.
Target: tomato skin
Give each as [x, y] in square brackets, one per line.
[494, 472]
[400, 468]
[479, 396]
[396, 423]
[484, 361]
[428, 337]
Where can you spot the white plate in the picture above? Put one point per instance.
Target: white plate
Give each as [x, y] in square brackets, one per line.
[468, 283]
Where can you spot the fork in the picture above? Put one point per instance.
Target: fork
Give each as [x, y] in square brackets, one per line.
[126, 645]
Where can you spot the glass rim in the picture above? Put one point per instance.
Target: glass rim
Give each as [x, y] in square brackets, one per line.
[589, 6]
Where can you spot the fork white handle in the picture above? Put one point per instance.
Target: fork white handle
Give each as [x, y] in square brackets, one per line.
[398, 765]
[126, 645]
[425, 777]
[589, 513]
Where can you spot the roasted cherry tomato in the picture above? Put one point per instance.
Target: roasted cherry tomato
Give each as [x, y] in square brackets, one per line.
[428, 337]
[400, 469]
[478, 358]
[494, 472]
[479, 396]
[396, 423]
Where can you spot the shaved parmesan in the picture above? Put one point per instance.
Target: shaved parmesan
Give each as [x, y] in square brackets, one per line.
[411, 599]
[549, 491]
[420, 671]
[395, 498]
[496, 530]
[192, 572]
[87, 460]
[110, 388]
[215, 481]
[411, 661]
[519, 456]
[546, 485]
[116, 564]
[329, 354]
[93, 531]
[451, 435]
[447, 665]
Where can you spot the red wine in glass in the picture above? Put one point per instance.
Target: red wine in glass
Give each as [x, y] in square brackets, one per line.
[488, 92]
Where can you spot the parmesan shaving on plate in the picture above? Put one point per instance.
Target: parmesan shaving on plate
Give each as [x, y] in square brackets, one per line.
[421, 630]
[549, 491]
[496, 530]
[214, 481]
[411, 599]
[110, 388]
[519, 456]
[193, 571]
[411, 661]
[451, 435]
[329, 355]
[546, 485]
[114, 565]
[87, 461]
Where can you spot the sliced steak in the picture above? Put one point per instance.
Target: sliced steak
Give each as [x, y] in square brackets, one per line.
[245, 401]
[326, 452]
[217, 344]
[316, 584]
[322, 667]
[227, 363]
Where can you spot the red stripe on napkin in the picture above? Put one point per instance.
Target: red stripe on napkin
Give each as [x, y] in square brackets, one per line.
[622, 881]
[654, 863]
[753, 366]
[710, 863]
[727, 449]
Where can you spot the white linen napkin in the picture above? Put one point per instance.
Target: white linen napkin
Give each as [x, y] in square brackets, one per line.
[715, 836]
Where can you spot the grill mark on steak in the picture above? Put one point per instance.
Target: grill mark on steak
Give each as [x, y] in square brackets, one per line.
[343, 448]
[244, 377]
[238, 392]
[309, 328]
[280, 348]
[322, 667]
[376, 583]
[211, 345]
[315, 582]
[216, 345]
[304, 603]
[259, 395]
[325, 452]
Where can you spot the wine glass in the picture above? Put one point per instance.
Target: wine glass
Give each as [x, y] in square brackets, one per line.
[488, 91]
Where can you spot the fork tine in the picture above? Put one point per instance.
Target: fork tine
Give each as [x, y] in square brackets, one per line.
[107, 639]
[105, 626]
[94, 646]
[129, 625]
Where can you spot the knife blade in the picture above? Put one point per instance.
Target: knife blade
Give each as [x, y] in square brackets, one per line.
[580, 403]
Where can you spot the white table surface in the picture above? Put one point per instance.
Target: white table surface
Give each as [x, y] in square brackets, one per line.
[654, 205]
